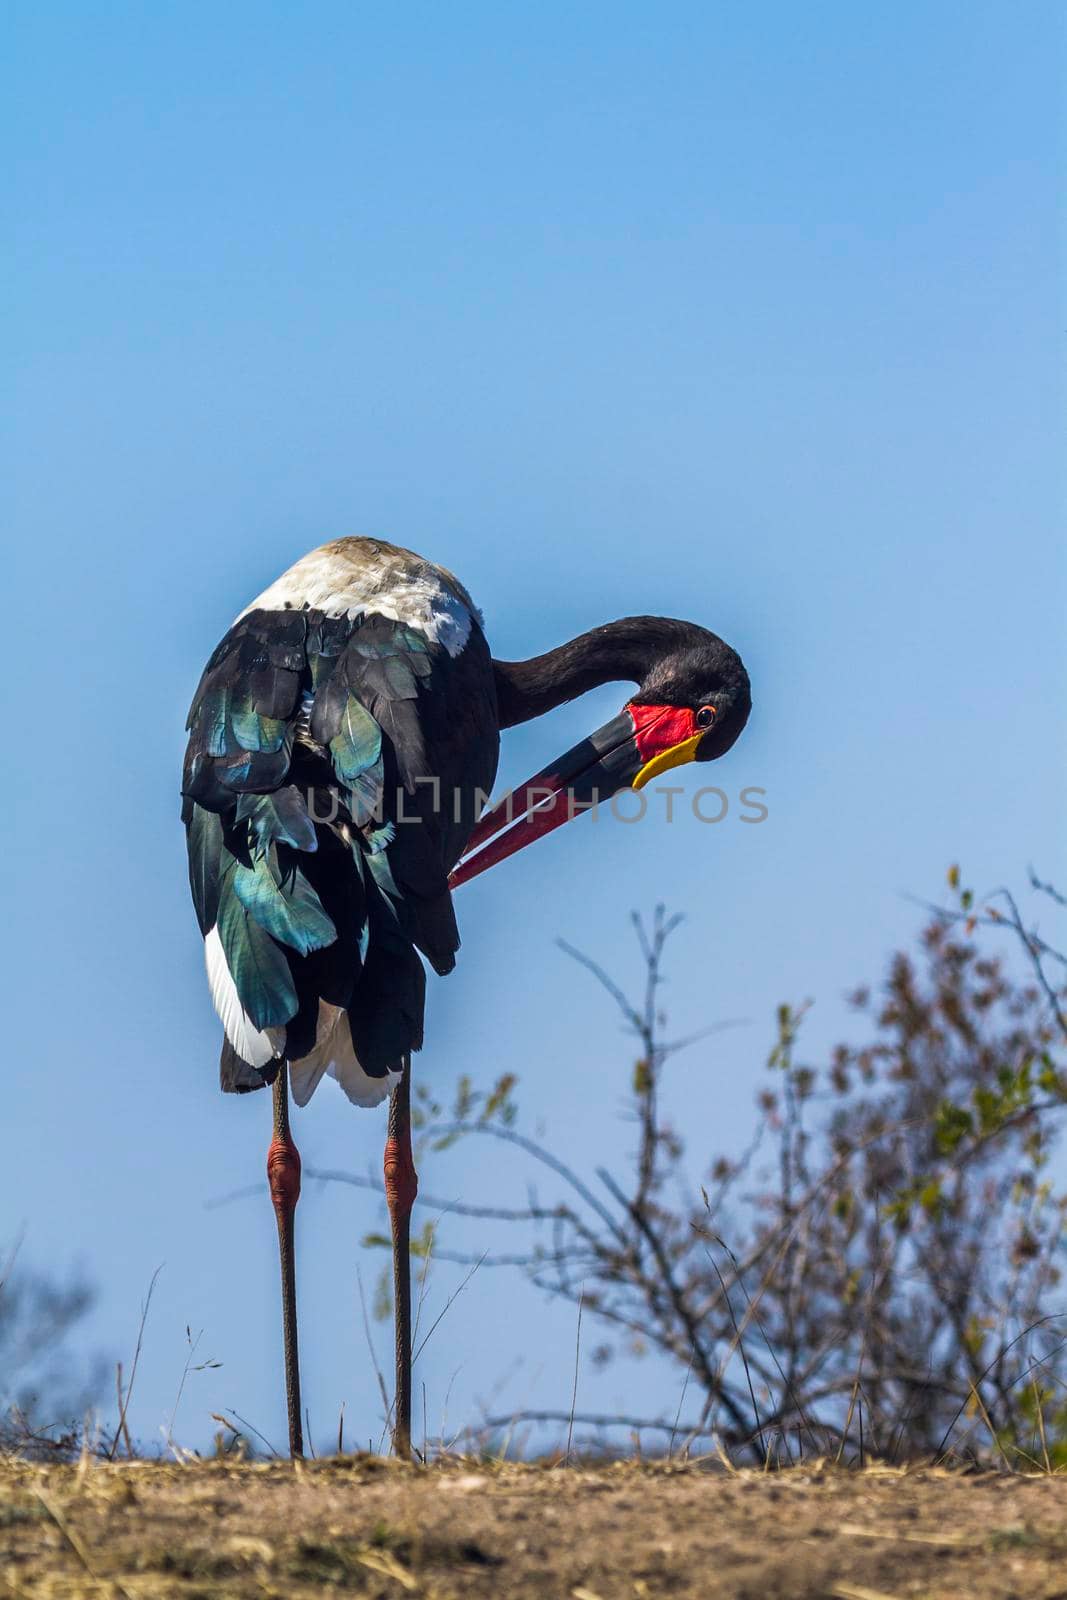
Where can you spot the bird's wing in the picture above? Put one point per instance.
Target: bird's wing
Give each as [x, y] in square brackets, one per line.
[411, 732]
[241, 721]
[330, 783]
[241, 815]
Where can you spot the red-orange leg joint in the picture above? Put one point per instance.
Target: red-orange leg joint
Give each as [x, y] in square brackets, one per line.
[401, 1179]
[283, 1174]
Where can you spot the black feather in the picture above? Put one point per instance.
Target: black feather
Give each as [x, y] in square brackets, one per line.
[384, 1032]
[204, 838]
[237, 1077]
[326, 814]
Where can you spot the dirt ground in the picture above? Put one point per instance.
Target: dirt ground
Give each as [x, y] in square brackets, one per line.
[361, 1525]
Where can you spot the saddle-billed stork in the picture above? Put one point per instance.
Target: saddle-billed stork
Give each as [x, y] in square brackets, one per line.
[343, 741]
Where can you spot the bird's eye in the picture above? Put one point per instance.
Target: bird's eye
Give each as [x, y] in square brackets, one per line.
[706, 716]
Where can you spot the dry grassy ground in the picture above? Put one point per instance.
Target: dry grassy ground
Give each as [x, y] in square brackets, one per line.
[370, 1527]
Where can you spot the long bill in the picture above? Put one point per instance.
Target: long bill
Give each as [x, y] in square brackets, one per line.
[625, 753]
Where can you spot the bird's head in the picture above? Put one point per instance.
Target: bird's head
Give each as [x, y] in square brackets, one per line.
[692, 705]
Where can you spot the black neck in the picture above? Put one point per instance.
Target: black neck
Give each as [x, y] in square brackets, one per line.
[624, 651]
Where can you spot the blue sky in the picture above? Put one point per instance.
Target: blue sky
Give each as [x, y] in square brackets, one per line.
[747, 314]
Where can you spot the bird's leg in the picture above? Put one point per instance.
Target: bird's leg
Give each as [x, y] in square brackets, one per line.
[283, 1175]
[401, 1187]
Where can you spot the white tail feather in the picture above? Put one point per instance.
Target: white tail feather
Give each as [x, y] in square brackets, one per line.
[255, 1045]
[306, 1073]
[360, 1088]
[334, 1053]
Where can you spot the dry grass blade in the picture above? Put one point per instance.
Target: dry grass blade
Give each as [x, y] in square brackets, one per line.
[574, 1390]
[740, 1346]
[1037, 1322]
[246, 1425]
[852, 1400]
[678, 1413]
[387, 1407]
[859, 1591]
[121, 1429]
[192, 1346]
[1040, 1410]
[993, 1434]
[857, 1531]
[448, 1305]
[424, 1278]
[388, 1566]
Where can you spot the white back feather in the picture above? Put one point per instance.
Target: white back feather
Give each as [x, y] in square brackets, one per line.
[353, 576]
